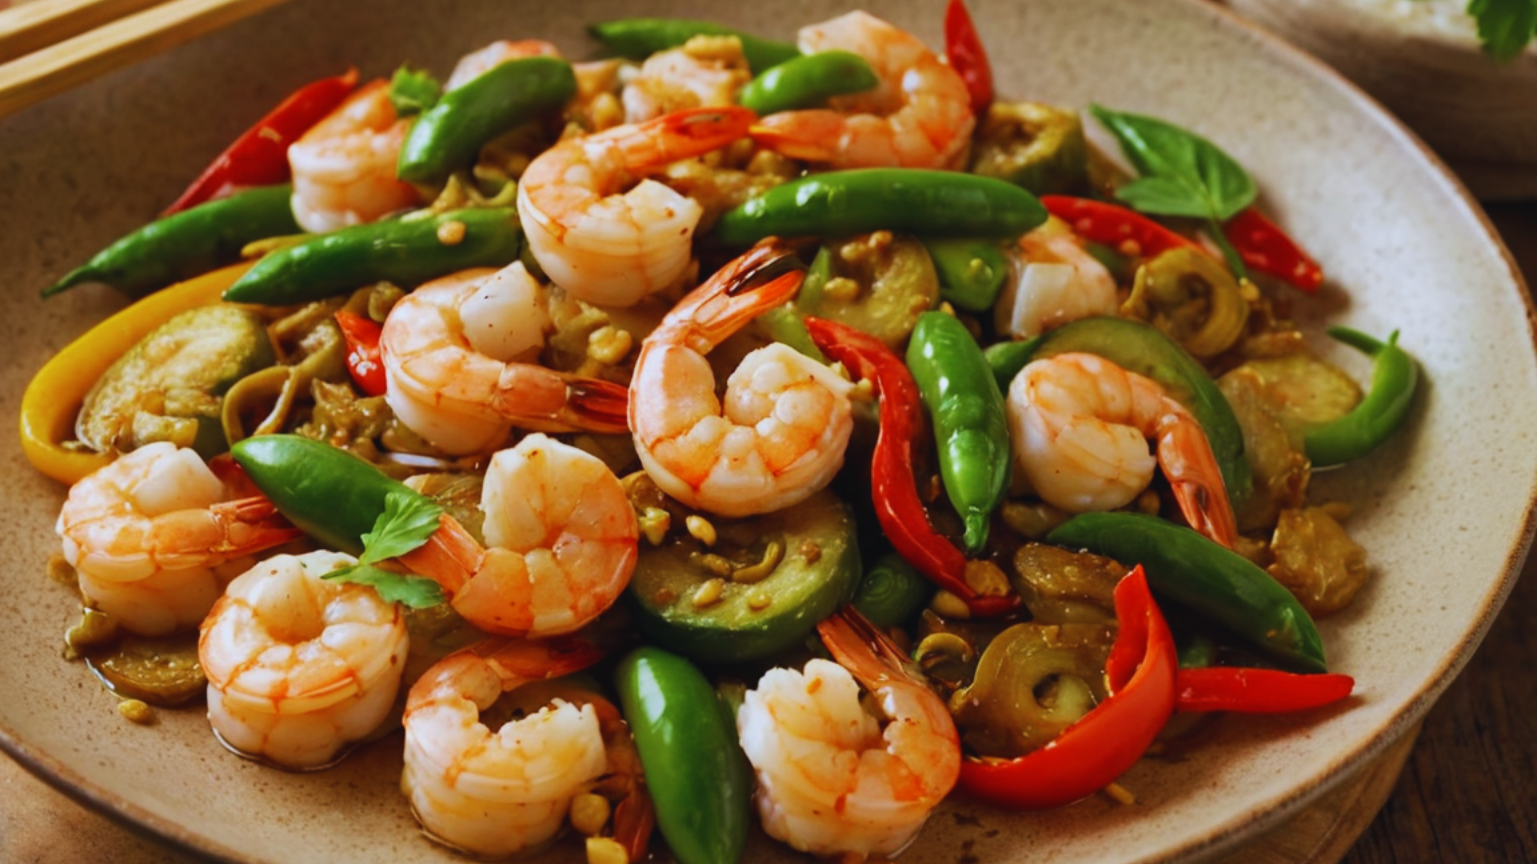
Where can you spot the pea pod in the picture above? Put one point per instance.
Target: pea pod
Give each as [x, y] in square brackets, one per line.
[1394, 378]
[971, 272]
[1192, 570]
[967, 411]
[927, 203]
[451, 133]
[696, 773]
[403, 251]
[639, 38]
[808, 81]
[186, 244]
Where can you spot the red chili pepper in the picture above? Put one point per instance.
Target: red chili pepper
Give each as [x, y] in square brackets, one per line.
[1256, 691]
[363, 360]
[1090, 754]
[893, 487]
[1265, 247]
[1114, 226]
[963, 48]
[259, 157]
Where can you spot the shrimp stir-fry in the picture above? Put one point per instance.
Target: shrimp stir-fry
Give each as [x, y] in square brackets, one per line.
[344, 166]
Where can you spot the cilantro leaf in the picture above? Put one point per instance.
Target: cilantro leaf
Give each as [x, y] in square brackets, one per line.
[418, 592]
[1183, 174]
[1505, 27]
[407, 521]
[413, 91]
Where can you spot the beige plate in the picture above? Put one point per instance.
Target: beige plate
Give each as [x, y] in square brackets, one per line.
[1445, 509]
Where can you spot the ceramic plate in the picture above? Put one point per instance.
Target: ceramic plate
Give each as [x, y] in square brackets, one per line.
[1444, 509]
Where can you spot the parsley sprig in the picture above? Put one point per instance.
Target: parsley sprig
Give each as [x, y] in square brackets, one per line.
[1505, 27]
[407, 522]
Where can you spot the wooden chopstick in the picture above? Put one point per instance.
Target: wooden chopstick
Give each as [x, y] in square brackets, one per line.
[58, 67]
[40, 23]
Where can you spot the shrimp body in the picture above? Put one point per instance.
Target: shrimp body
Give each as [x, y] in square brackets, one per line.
[606, 245]
[496, 793]
[1056, 281]
[154, 542]
[831, 780]
[780, 432]
[706, 72]
[918, 117]
[477, 63]
[344, 166]
[1080, 426]
[299, 668]
[561, 543]
[461, 364]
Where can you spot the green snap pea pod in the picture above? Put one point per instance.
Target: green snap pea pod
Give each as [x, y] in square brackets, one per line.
[451, 133]
[1394, 378]
[187, 244]
[1007, 358]
[639, 38]
[403, 251]
[966, 409]
[971, 272]
[808, 81]
[698, 777]
[330, 495]
[927, 203]
[1216, 582]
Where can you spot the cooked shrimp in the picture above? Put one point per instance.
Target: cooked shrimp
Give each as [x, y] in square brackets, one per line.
[477, 63]
[918, 117]
[605, 245]
[780, 433]
[344, 166]
[496, 793]
[300, 668]
[706, 71]
[1080, 425]
[561, 543]
[461, 364]
[831, 780]
[154, 539]
[1056, 281]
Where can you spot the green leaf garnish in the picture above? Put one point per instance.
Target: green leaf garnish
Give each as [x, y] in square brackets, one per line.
[413, 91]
[407, 522]
[418, 592]
[1505, 27]
[1183, 174]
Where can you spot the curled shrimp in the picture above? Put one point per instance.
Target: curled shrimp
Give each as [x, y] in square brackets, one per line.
[154, 540]
[606, 245]
[461, 365]
[780, 432]
[477, 63]
[1080, 425]
[918, 117]
[707, 71]
[1055, 282]
[561, 543]
[831, 780]
[344, 166]
[300, 668]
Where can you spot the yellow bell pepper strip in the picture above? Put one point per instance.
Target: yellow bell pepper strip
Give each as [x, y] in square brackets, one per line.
[53, 398]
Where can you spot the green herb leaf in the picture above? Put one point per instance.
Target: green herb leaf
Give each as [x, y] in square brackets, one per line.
[1183, 174]
[413, 91]
[418, 592]
[408, 520]
[1505, 27]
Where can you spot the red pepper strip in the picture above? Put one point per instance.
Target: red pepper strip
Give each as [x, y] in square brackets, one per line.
[1090, 754]
[363, 359]
[1114, 226]
[963, 48]
[1256, 691]
[259, 157]
[893, 487]
[1265, 247]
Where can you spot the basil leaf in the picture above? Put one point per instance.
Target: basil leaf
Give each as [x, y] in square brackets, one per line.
[418, 592]
[407, 521]
[413, 91]
[1505, 27]
[1183, 174]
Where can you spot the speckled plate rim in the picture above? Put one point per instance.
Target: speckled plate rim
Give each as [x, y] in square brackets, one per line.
[1219, 839]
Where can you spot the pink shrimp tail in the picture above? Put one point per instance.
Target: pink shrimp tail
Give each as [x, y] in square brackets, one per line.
[860, 647]
[740, 291]
[1197, 482]
[251, 525]
[691, 132]
[598, 406]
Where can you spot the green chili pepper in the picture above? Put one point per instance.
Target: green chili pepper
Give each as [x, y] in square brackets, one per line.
[698, 777]
[971, 272]
[187, 244]
[639, 38]
[403, 251]
[1192, 570]
[967, 411]
[451, 133]
[1143, 349]
[892, 592]
[1394, 378]
[840, 203]
[1198, 651]
[808, 81]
